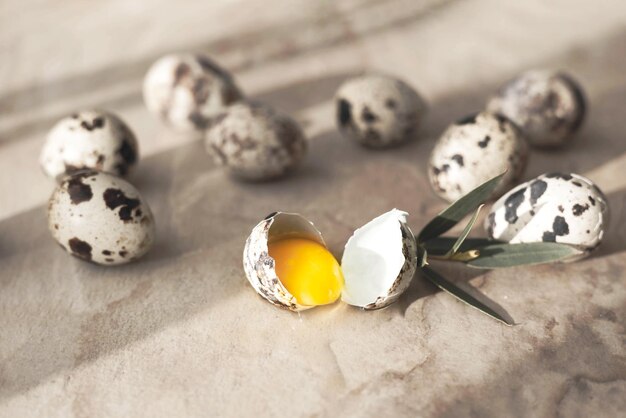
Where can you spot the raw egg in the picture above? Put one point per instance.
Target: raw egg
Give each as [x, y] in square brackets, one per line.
[287, 262]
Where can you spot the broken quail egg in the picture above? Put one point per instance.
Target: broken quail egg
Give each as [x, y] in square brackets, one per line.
[378, 111]
[474, 150]
[188, 90]
[286, 261]
[379, 261]
[101, 218]
[91, 139]
[255, 142]
[556, 207]
[547, 106]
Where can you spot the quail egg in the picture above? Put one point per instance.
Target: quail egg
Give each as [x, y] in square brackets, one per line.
[255, 142]
[474, 150]
[547, 106]
[556, 207]
[188, 90]
[379, 261]
[286, 261]
[91, 139]
[101, 218]
[378, 111]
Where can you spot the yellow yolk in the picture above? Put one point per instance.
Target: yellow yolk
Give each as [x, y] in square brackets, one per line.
[307, 270]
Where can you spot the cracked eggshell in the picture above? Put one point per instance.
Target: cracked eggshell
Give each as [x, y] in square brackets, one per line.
[548, 106]
[378, 111]
[474, 150]
[259, 266]
[556, 207]
[91, 139]
[100, 218]
[188, 90]
[255, 142]
[379, 261]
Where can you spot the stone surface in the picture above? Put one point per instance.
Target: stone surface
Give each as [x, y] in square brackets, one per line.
[182, 333]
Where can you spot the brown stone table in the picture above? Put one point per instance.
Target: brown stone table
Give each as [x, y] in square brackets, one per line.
[181, 333]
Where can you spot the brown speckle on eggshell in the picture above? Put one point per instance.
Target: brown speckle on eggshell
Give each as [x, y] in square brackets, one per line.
[255, 142]
[90, 139]
[378, 111]
[548, 106]
[188, 90]
[474, 150]
[100, 218]
[555, 207]
[259, 266]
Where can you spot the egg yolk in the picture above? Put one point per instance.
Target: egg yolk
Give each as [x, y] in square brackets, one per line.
[307, 270]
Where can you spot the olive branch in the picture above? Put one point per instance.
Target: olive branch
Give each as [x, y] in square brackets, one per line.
[478, 252]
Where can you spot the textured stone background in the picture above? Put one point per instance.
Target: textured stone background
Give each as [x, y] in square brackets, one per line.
[181, 333]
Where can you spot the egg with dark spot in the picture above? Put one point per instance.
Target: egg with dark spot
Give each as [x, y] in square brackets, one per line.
[473, 150]
[101, 218]
[255, 142]
[554, 207]
[378, 111]
[548, 106]
[91, 139]
[188, 90]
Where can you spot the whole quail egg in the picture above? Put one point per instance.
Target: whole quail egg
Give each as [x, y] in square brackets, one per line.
[378, 111]
[547, 106]
[188, 90]
[556, 207]
[255, 142]
[286, 261]
[474, 150]
[101, 218]
[91, 139]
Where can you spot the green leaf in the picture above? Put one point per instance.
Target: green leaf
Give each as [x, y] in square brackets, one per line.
[466, 231]
[441, 245]
[462, 295]
[510, 255]
[454, 213]
[422, 256]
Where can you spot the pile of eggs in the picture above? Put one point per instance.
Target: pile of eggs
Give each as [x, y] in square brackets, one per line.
[98, 216]
[94, 213]
[253, 141]
[540, 108]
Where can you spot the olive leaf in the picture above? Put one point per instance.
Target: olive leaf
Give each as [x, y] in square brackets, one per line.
[422, 256]
[454, 213]
[465, 233]
[441, 245]
[510, 255]
[462, 295]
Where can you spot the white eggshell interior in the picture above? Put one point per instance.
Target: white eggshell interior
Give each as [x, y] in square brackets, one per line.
[292, 225]
[373, 258]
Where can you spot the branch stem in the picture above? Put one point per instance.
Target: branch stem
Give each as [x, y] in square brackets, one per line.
[460, 257]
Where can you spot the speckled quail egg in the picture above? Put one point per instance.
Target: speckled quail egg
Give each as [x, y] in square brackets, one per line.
[188, 90]
[378, 111]
[91, 139]
[474, 150]
[255, 142]
[100, 218]
[286, 261]
[556, 207]
[547, 106]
